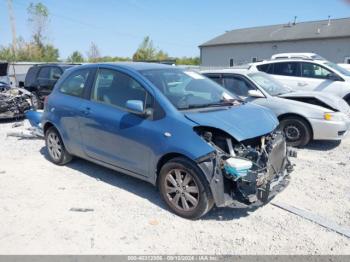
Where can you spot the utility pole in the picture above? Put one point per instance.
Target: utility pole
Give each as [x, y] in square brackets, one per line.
[13, 26]
[14, 39]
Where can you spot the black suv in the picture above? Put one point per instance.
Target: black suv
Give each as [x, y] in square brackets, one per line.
[41, 79]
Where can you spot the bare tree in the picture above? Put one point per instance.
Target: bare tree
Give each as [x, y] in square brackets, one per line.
[93, 54]
[38, 19]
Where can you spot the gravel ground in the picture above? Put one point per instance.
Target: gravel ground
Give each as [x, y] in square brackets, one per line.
[126, 215]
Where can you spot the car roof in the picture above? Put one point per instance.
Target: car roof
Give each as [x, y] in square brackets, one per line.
[56, 64]
[138, 66]
[289, 60]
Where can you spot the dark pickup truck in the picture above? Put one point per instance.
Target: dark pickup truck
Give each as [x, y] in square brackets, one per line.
[41, 79]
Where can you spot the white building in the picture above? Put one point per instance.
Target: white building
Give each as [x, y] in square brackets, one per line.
[328, 38]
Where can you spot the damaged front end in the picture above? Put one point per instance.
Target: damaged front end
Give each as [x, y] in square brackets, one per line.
[248, 172]
[14, 102]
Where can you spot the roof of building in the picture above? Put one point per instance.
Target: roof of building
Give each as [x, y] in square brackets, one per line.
[333, 28]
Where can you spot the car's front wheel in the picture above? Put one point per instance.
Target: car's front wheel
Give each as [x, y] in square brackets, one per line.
[55, 147]
[348, 100]
[296, 130]
[184, 189]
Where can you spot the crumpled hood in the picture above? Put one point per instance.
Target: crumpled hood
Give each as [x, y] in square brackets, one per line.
[241, 122]
[333, 101]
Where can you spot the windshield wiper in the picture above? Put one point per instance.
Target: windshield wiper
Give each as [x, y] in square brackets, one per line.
[216, 104]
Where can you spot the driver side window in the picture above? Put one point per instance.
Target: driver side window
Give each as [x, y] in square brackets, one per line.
[115, 88]
[237, 86]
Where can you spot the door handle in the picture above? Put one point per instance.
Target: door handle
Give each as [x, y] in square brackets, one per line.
[86, 111]
[302, 84]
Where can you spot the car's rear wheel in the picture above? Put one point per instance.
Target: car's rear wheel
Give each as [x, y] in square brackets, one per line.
[184, 189]
[55, 147]
[296, 130]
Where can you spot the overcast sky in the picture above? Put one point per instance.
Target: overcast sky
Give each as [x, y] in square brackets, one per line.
[176, 26]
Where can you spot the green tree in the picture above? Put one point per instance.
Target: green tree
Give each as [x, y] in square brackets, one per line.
[188, 61]
[160, 55]
[49, 53]
[147, 51]
[28, 51]
[76, 57]
[94, 53]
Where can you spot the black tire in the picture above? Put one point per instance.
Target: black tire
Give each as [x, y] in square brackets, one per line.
[347, 100]
[36, 102]
[55, 147]
[297, 131]
[188, 192]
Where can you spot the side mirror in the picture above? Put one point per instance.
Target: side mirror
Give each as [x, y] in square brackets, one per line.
[332, 77]
[135, 106]
[256, 94]
[56, 76]
[21, 84]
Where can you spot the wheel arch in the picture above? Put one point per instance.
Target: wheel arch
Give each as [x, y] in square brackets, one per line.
[166, 158]
[47, 125]
[290, 115]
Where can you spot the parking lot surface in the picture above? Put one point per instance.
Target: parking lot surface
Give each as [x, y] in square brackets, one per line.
[83, 208]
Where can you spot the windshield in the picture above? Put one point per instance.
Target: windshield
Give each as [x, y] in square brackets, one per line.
[338, 68]
[188, 89]
[269, 84]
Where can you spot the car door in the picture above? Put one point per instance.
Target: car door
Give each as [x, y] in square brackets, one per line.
[65, 103]
[110, 132]
[316, 78]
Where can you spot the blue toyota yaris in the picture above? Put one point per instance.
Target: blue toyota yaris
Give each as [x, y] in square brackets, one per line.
[174, 128]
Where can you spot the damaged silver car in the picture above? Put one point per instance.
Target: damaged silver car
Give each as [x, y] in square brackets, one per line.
[304, 115]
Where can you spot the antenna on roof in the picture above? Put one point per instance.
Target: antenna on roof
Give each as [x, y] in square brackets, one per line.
[295, 20]
[329, 20]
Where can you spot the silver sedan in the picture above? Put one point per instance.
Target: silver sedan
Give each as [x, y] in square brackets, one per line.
[303, 116]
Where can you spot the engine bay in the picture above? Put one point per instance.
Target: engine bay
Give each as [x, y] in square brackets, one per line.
[251, 168]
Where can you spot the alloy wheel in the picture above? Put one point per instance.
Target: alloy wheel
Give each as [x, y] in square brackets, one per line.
[182, 190]
[54, 146]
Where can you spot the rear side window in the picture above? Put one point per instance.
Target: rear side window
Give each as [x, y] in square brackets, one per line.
[267, 68]
[44, 73]
[31, 76]
[75, 83]
[215, 77]
[286, 69]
